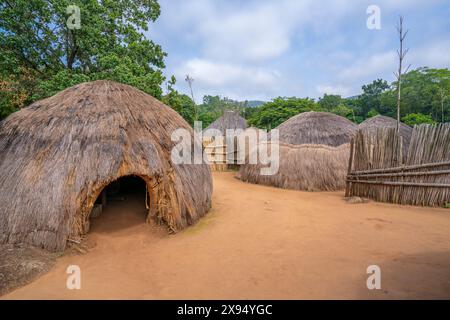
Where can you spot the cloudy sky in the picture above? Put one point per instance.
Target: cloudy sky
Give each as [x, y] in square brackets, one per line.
[261, 49]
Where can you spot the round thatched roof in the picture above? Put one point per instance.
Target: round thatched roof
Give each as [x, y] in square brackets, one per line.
[317, 128]
[379, 121]
[58, 154]
[229, 120]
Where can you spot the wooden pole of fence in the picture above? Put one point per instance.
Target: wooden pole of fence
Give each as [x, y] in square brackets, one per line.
[401, 174]
[382, 170]
[412, 167]
[349, 170]
[409, 184]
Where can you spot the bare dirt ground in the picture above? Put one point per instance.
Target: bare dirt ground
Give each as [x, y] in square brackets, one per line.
[261, 243]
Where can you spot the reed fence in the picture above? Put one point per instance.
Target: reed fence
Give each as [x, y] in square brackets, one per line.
[378, 170]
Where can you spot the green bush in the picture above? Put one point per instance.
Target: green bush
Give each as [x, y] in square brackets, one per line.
[417, 118]
[372, 113]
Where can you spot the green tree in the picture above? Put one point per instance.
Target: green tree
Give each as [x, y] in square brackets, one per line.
[372, 113]
[271, 114]
[424, 91]
[417, 118]
[214, 106]
[355, 105]
[344, 111]
[329, 101]
[181, 103]
[441, 79]
[371, 97]
[40, 55]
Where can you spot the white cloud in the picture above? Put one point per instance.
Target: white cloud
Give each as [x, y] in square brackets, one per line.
[369, 67]
[217, 74]
[251, 31]
[404, 4]
[351, 74]
[232, 80]
[332, 89]
[433, 55]
[252, 36]
[262, 48]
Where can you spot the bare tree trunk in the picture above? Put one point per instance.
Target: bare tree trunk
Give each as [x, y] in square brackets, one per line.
[189, 80]
[401, 56]
[399, 89]
[72, 49]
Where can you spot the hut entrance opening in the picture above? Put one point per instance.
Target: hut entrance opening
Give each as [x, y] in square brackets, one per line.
[121, 204]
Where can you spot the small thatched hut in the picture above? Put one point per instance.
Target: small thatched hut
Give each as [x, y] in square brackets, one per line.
[372, 124]
[317, 128]
[313, 154]
[57, 155]
[304, 167]
[229, 120]
[216, 147]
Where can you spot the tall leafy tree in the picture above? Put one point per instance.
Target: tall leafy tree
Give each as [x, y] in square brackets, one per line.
[371, 97]
[40, 54]
[441, 102]
[424, 91]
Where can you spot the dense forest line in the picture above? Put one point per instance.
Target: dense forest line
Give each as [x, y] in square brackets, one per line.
[425, 99]
[40, 56]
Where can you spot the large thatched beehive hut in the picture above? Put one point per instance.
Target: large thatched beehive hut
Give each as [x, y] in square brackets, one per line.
[57, 155]
[313, 154]
[317, 128]
[372, 124]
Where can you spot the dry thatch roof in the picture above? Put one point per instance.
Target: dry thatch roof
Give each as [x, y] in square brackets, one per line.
[317, 128]
[57, 155]
[305, 167]
[372, 124]
[229, 120]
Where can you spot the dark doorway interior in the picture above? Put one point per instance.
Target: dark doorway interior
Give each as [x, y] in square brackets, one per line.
[125, 187]
[121, 204]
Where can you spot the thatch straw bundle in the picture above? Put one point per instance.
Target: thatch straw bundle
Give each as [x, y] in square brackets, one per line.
[216, 146]
[317, 128]
[314, 153]
[246, 141]
[305, 167]
[57, 155]
[253, 132]
[372, 124]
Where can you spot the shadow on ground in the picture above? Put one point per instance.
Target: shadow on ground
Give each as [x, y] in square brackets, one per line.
[418, 276]
[21, 264]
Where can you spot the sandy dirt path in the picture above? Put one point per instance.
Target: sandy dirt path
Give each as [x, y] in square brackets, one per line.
[262, 243]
